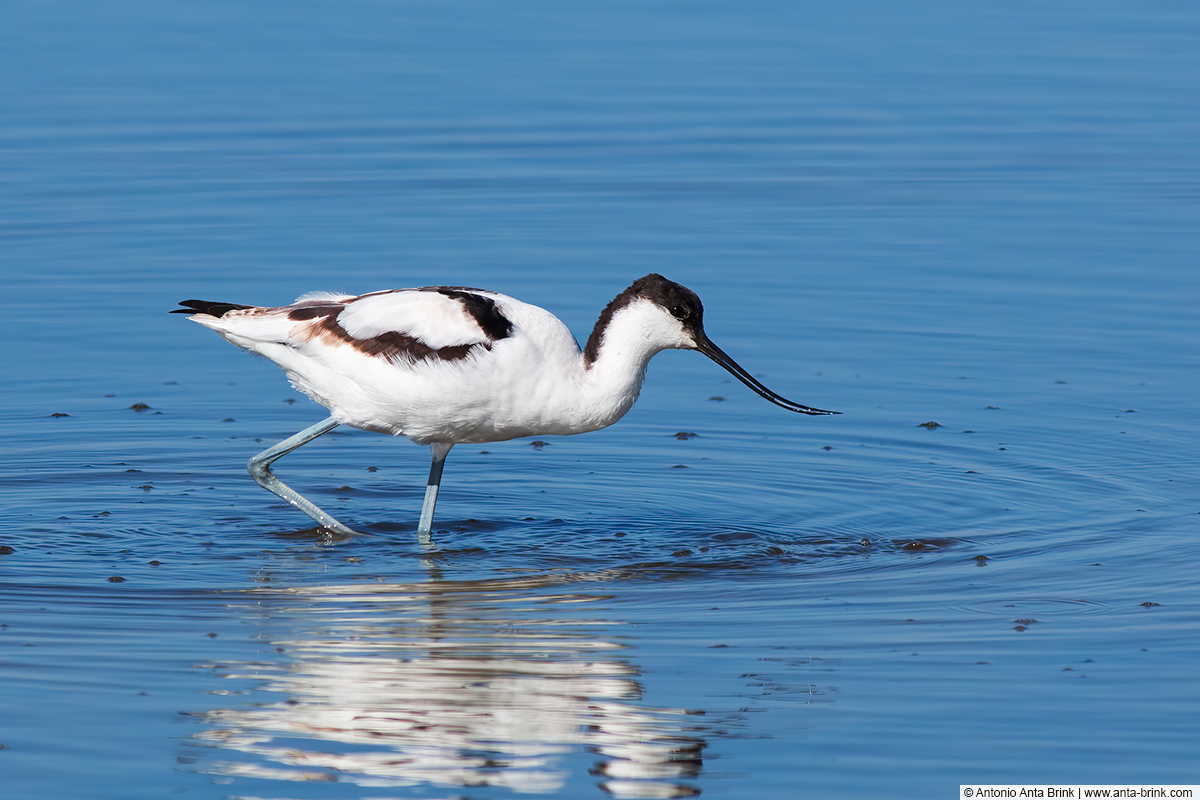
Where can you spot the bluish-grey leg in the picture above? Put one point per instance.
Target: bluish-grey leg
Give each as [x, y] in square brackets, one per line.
[259, 468]
[439, 451]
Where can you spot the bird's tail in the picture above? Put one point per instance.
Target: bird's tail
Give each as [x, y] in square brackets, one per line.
[207, 307]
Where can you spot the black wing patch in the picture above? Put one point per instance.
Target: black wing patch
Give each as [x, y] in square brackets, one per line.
[481, 308]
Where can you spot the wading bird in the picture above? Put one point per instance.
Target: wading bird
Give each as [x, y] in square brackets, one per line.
[447, 365]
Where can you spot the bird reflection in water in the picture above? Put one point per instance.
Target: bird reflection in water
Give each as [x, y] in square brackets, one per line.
[467, 684]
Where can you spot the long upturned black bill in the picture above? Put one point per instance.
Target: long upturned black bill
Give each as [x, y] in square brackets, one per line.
[718, 355]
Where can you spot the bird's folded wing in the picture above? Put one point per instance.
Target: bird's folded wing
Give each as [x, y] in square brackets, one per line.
[437, 318]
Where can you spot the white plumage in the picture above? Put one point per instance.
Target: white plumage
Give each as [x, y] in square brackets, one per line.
[446, 365]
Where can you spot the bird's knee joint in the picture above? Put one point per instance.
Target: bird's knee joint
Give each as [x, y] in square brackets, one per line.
[259, 470]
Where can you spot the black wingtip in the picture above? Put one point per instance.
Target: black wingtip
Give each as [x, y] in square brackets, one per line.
[207, 307]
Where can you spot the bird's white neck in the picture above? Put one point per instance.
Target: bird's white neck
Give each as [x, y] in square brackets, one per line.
[615, 359]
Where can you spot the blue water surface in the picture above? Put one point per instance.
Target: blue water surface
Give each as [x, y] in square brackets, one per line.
[972, 228]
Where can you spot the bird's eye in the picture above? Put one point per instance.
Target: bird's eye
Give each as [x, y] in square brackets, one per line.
[680, 312]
